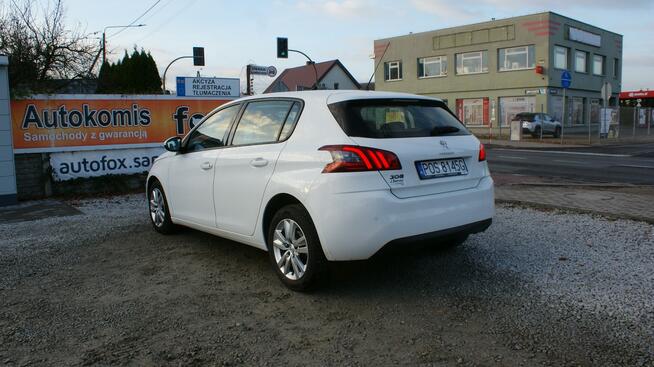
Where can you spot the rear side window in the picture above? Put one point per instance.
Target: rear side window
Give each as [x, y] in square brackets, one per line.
[396, 118]
[291, 120]
[262, 122]
[530, 117]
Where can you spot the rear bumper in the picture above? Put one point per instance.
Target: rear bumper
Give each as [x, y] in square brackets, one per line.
[469, 228]
[355, 226]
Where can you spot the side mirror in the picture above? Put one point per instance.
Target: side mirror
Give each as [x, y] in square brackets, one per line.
[173, 144]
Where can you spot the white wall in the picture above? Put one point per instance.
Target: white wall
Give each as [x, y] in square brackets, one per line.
[7, 168]
[337, 75]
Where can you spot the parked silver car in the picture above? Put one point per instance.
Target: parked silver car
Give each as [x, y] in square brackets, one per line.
[532, 123]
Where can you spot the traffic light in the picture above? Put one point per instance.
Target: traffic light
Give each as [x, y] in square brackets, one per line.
[282, 48]
[198, 56]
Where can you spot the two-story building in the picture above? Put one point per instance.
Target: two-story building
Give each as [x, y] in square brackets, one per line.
[488, 72]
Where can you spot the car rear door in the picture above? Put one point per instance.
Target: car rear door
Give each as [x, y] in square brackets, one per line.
[396, 126]
[245, 167]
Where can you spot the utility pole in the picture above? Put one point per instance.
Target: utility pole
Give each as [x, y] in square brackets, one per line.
[104, 37]
[104, 48]
[248, 78]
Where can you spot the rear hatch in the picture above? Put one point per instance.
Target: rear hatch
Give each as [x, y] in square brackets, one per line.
[435, 150]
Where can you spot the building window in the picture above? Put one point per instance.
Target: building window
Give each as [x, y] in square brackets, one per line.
[581, 58]
[393, 70]
[472, 63]
[616, 68]
[432, 66]
[336, 85]
[578, 104]
[517, 58]
[598, 65]
[560, 57]
[473, 111]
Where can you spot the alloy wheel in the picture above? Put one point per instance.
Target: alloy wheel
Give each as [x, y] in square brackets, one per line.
[290, 249]
[157, 207]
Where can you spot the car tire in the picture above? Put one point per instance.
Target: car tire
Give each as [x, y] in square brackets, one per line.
[536, 133]
[557, 132]
[294, 249]
[158, 209]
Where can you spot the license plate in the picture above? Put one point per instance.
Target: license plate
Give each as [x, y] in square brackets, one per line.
[441, 168]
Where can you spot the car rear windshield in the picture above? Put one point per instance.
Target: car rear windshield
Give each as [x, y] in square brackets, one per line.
[396, 118]
[525, 117]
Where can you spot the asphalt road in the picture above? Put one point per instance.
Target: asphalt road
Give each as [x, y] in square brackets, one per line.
[629, 164]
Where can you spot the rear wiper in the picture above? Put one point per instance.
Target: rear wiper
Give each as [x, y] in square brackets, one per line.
[443, 130]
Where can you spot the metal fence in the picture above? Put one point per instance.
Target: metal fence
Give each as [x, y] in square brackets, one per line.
[601, 125]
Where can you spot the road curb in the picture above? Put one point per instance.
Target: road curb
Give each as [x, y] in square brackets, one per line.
[581, 185]
[612, 216]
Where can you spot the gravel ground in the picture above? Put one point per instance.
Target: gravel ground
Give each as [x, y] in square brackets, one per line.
[537, 288]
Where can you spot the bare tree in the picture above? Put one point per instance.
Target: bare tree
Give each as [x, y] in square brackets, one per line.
[41, 47]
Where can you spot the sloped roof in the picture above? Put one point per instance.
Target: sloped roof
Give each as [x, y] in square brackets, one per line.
[305, 75]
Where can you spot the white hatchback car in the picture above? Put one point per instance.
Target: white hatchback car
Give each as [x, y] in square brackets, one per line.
[321, 176]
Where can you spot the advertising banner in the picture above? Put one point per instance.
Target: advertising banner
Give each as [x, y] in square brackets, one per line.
[93, 163]
[55, 123]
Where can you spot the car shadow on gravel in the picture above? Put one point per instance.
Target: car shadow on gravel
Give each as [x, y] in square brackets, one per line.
[415, 265]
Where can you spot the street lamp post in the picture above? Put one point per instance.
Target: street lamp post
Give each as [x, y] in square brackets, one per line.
[104, 37]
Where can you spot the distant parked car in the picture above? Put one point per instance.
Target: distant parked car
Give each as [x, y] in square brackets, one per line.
[532, 123]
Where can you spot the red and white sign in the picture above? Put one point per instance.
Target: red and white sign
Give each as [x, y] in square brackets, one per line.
[637, 94]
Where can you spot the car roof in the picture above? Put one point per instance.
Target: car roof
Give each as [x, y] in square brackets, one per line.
[334, 96]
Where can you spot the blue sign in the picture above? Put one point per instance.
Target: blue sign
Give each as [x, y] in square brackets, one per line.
[566, 79]
[181, 86]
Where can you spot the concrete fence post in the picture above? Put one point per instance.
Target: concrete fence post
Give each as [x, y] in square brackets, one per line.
[8, 192]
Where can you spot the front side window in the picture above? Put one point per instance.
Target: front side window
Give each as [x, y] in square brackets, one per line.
[393, 70]
[560, 57]
[598, 65]
[517, 58]
[472, 63]
[261, 122]
[580, 61]
[432, 66]
[211, 133]
[396, 118]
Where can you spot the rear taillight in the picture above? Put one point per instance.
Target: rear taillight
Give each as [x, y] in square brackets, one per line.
[482, 152]
[354, 158]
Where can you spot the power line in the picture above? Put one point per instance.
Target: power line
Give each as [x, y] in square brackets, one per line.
[137, 19]
[166, 22]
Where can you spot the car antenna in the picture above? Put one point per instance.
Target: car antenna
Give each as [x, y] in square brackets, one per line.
[380, 60]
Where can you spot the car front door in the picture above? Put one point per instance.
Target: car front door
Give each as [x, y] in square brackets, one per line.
[245, 167]
[191, 172]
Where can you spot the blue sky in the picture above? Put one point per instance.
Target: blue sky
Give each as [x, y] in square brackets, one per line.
[235, 33]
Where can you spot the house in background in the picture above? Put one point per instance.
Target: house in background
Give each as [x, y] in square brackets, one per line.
[331, 75]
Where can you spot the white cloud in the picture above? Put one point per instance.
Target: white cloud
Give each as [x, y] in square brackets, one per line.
[445, 9]
[466, 9]
[340, 8]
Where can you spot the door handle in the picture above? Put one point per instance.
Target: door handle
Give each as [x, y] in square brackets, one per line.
[206, 166]
[259, 162]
